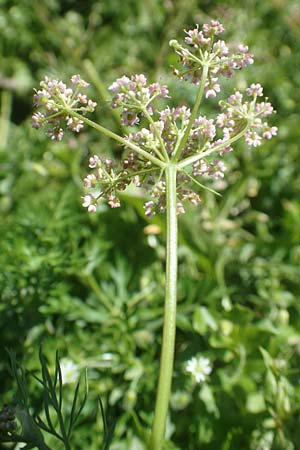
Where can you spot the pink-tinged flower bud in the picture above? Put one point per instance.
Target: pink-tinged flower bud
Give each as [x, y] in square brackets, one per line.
[164, 91]
[192, 38]
[196, 39]
[129, 118]
[221, 48]
[269, 132]
[252, 139]
[226, 133]
[93, 161]
[214, 27]
[181, 112]
[76, 80]
[140, 79]
[193, 198]
[82, 98]
[90, 181]
[92, 104]
[255, 89]
[217, 169]
[200, 168]
[114, 202]
[51, 107]
[248, 59]
[41, 97]
[221, 120]
[212, 87]
[225, 150]
[205, 127]
[117, 100]
[38, 120]
[157, 89]
[236, 98]
[56, 134]
[210, 93]
[180, 208]
[90, 203]
[264, 109]
[149, 209]
[108, 163]
[119, 83]
[137, 181]
[74, 124]
[243, 48]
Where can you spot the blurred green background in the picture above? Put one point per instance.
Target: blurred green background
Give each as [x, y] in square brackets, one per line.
[92, 286]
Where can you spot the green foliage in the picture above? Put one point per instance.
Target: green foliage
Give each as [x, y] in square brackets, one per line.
[92, 286]
[53, 419]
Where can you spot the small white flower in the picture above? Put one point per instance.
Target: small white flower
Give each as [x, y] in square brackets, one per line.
[92, 104]
[69, 371]
[89, 203]
[199, 368]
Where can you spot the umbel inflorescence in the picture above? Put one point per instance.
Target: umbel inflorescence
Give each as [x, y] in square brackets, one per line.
[170, 135]
[56, 99]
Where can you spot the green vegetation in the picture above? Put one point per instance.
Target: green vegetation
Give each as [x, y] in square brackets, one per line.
[91, 286]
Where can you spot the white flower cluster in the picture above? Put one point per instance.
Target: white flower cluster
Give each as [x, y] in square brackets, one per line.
[58, 102]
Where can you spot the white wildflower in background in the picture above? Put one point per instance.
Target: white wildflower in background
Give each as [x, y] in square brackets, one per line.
[199, 368]
[69, 371]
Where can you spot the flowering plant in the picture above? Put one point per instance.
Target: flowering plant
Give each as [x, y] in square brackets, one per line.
[176, 150]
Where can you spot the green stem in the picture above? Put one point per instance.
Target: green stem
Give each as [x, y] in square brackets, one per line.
[169, 327]
[181, 144]
[64, 435]
[118, 138]
[6, 104]
[202, 186]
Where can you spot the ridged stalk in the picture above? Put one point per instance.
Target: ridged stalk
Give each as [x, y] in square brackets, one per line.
[169, 326]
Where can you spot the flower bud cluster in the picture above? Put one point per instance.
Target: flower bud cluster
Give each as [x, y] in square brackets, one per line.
[202, 49]
[206, 134]
[57, 102]
[108, 178]
[157, 204]
[215, 168]
[134, 96]
[236, 112]
[7, 421]
[170, 126]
